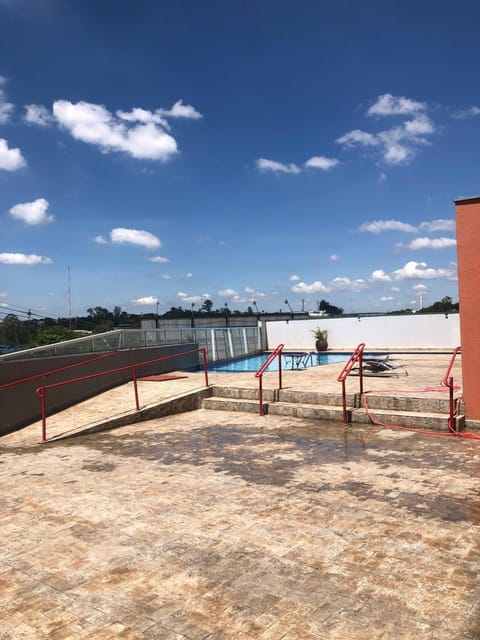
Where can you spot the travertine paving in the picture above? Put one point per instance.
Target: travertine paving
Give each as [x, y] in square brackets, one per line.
[204, 526]
[209, 525]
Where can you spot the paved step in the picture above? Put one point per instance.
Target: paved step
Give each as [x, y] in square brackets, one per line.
[405, 403]
[413, 419]
[307, 411]
[234, 404]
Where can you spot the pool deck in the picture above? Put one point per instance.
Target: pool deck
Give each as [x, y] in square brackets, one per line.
[209, 525]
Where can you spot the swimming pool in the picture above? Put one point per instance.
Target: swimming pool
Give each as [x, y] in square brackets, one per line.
[253, 363]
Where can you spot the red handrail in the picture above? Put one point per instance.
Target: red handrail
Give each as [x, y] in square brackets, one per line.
[357, 356]
[45, 374]
[264, 367]
[448, 382]
[41, 391]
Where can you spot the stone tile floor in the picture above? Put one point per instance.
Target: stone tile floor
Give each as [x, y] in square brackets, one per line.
[208, 525]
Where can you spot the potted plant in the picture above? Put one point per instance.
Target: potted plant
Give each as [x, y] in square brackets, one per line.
[320, 335]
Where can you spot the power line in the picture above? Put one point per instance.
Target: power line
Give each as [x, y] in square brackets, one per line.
[29, 313]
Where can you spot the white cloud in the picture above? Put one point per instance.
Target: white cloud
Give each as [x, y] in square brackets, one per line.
[437, 225]
[334, 257]
[345, 284]
[321, 162]
[427, 243]
[94, 124]
[357, 136]
[419, 288]
[184, 297]
[463, 114]
[38, 114]
[161, 259]
[165, 276]
[32, 212]
[377, 226]
[147, 300]
[100, 240]
[6, 108]
[379, 275]
[294, 278]
[386, 298]
[180, 110]
[145, 116]
[315, 287]
[395, 289]
[263, 164]
[420, 271]
[388, 105]
[135, 236]
[23, 258]
[397, 145]
[10, 159]
[228, 293]
[382, 177]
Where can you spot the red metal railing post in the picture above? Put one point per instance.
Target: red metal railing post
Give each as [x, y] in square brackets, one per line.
[135, 386]
[361, 373]
[260, 394]
[451, 426]
[280, 370]
[205, 365]
[41, 394]
[344, 403]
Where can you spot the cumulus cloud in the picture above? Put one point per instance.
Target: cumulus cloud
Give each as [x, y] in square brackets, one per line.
[186, 298]
[463, 114]
[397, 145]
[100, 240]
[379, 275]
[420, 271]
[228, 293]
[378, 226]
[147, 300]
[419, 288]
[427, 243]
[134, 236]
[345, 284]
[6, 108]
[10, 159]
[23, 258]
[180, 110]
[32, 212]
[161, 259]
[437, 225]
[321, 162]
[94, 124]
[294, 278]
[315, 287]
[386, 298]
[263, 164]
[388, 105]
[38, 114]
[334, 257]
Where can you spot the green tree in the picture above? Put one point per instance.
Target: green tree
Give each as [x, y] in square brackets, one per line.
[57, 333]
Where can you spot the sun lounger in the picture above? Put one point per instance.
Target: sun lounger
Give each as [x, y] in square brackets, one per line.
[382, 366]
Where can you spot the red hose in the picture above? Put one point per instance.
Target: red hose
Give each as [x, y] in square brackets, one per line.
[451, 430]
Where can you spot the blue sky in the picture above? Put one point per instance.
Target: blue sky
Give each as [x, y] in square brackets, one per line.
[238, 151]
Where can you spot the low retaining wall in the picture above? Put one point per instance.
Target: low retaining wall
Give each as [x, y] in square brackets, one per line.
[19, 406]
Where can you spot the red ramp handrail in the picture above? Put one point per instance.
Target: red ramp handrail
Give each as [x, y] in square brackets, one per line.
[45, 374]
[41, 391]
[357, 356]
[276, 353]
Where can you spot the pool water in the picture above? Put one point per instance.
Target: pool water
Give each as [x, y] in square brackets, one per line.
[253, 363]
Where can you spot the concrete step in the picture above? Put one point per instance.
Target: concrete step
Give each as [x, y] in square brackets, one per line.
[307, 411]
[234, 404]
[429, 421]
[405, 403]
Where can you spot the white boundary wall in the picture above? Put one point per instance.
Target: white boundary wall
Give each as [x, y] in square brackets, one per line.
[423, 331]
